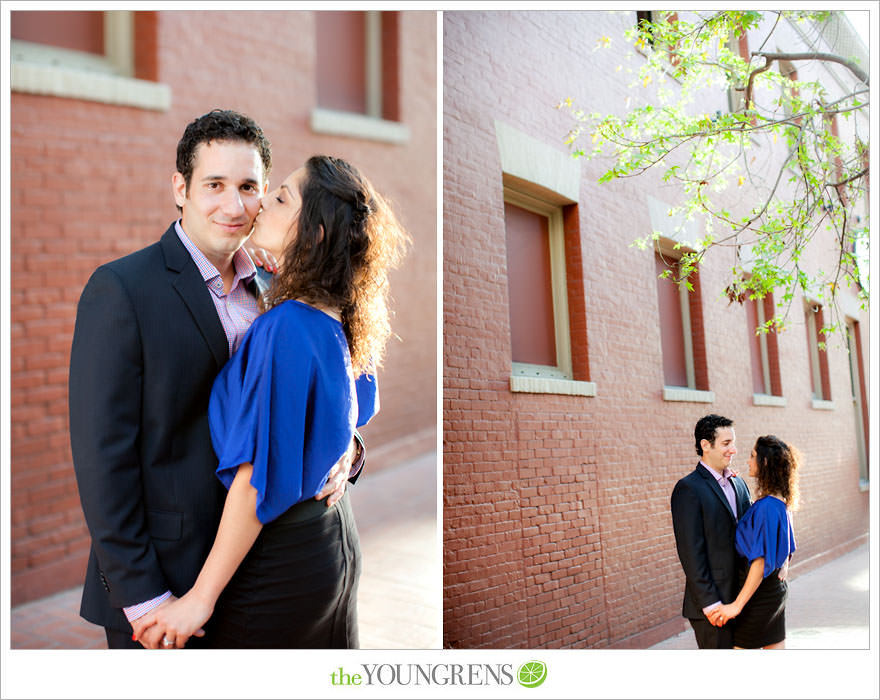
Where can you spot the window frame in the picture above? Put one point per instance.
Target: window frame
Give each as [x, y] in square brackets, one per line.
[43, 69]
[819, 374]
[558, 287]
[529, 165]
[859, 392]
[665, 248]
[669, 65]
[736, 95]
[769, 355]
[370, 125]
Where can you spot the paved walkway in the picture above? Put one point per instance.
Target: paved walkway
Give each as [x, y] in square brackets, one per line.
[828, 608]
[400, 590]
[399, 601]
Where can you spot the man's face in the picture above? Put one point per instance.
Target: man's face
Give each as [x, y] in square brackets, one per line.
[223, 198]
[718, 454]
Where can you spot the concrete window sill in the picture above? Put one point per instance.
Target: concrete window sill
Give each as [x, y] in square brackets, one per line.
[677, 393]
[58, 81]
[549, 385]
[328, 121]
[768, 400]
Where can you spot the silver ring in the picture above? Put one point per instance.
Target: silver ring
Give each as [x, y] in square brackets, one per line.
[167, 642]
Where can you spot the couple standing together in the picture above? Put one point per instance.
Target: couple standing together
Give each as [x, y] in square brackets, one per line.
[214, 407]
[735, 553]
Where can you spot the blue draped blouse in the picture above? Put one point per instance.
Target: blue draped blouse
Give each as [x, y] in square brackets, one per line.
[765, 531]
[286, 402]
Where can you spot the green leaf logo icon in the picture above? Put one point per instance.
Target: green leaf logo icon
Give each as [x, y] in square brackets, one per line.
[532, 673]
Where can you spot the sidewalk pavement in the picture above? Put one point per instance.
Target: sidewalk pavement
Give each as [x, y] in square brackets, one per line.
[399, 597]
[828, 607]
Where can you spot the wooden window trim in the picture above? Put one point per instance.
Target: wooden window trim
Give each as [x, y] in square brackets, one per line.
[380, 122]
[49, 70]
[693, 330]
[558, 287]
[769, 353]
[820, 379]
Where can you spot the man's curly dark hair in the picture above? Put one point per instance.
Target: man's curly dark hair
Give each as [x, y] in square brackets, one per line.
[220, 125]
[707, 429]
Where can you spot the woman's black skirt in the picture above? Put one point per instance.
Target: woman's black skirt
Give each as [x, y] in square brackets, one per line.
[762, 620]
[297, 587]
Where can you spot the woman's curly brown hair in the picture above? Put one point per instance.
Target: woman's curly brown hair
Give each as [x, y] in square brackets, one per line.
[347, 239]
[778, 469]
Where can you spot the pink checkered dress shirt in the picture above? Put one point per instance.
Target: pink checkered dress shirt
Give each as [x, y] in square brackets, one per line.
[238, 308]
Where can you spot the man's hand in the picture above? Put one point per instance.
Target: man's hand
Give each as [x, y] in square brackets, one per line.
[180, 620]
[146, 631]
[334, 488]
[721, 615]
[150, 629]
[783, 571]
[714, 616]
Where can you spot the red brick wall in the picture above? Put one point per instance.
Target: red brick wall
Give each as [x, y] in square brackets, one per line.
[556, 525]
[91, 182]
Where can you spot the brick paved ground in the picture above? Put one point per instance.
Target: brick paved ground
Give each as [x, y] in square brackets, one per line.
[399, 595]
[828, 607]
[400, 588]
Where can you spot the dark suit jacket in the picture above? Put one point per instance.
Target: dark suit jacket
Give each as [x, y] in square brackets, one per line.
[147, 346]
[705, 536]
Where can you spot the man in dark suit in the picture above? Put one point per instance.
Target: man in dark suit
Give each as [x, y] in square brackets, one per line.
[706, 505]
[153, 329]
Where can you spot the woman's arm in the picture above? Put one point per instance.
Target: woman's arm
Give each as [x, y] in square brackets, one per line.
[238, 530]
[753, 580]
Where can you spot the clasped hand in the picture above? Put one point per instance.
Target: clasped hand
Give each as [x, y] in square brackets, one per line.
[723, 614]
[178, 619]
[175, 620]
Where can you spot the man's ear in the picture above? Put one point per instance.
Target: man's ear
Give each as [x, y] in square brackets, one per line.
[178, 187]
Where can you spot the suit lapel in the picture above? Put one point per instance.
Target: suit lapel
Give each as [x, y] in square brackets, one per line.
[191, 287]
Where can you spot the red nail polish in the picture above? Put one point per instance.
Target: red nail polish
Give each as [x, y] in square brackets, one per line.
[134, 638]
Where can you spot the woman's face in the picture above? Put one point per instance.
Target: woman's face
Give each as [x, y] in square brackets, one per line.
[275, 225]
[753, 464]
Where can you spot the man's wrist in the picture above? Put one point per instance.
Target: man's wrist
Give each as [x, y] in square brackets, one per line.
[133, 612]
[710, 608]
[360, 456]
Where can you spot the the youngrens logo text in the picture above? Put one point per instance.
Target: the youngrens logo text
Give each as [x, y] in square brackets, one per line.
[530, 674]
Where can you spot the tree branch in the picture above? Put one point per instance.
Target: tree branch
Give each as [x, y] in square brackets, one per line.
[748, 94]
[849, 179]
[858, 72]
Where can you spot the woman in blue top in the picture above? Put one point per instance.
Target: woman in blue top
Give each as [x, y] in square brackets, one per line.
[284, 567]
[765, 543]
